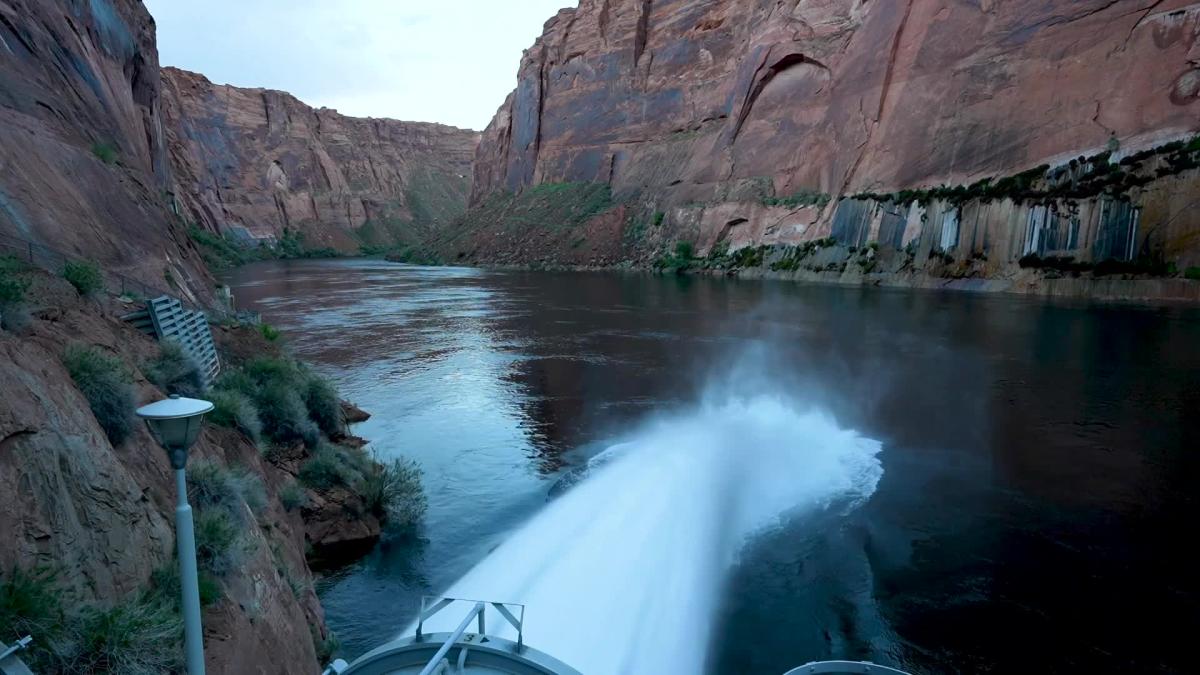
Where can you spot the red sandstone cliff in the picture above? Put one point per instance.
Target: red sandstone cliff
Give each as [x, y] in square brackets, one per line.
[257, 161]
[839, 95]
[83, 159]
[714, 112]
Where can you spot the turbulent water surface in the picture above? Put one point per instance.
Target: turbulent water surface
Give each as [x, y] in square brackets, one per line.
[778, 473]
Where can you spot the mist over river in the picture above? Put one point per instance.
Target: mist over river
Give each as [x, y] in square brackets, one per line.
[935, 481]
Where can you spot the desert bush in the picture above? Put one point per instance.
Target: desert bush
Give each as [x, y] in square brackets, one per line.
[175, 372]
[211, 485]
[680, 260]
[284, 416]
[105, 384]
[105, 152]
[293, 403]
[84, 275]
[31, 605]
[293, 496]
[140, 634]
[165, 582]
[13, 287]
[220, 253]
[324, 406]
[332, 466]
[326, 647]
[392, 490]
[137, 637]
[219, 545]
[235, 410]
[269, 332]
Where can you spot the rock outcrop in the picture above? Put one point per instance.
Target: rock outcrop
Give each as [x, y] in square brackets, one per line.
[83, 157]
[746, 122]
[252, 163]
[100, 515]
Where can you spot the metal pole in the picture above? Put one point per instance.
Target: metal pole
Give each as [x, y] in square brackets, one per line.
[193, 634]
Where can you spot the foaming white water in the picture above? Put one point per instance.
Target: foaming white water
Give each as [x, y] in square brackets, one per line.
[624, 572]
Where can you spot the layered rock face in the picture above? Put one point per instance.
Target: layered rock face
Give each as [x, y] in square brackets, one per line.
[83, 158]
[720, 114]
[251, 163]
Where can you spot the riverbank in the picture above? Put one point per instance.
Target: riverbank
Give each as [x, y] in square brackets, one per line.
[276, 480]
[1151, 290]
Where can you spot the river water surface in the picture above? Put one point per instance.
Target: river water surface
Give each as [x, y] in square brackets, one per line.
[939, 482]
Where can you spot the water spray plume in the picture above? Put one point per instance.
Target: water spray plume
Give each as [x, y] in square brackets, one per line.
[624, 572]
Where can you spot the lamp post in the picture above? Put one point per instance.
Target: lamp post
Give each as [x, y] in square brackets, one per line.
[175, 424]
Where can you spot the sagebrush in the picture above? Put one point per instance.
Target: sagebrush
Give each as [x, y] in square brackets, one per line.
[174, 372]
[107, 387]
[84, 275]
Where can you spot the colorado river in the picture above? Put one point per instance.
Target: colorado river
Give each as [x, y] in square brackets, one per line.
[940, 482]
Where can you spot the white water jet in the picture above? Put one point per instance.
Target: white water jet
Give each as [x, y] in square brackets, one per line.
[625, 571]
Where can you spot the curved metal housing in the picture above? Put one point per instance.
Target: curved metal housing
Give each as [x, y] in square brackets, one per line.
[846, 667]
[473, 652]
[458, 651]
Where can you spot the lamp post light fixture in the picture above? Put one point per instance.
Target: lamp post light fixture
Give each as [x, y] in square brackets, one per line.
[175, 424]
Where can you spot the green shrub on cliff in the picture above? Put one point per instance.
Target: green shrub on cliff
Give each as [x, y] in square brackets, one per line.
[13, 287]
[552, 206]
[220, 547]
[1192, 273]
[30, 604]
[221, 253]
[324, 406]
[284, 416]
[211, 485]
[105, 152]
[393, 491]
[13, 284]
[165, 583]
[139, 634]
[292, 402]
[84, 275]
[293, 496]
[174, 372]
[269, 332]
[680, 260]
[800, 198]
[414, 255]
[333, 466]
[106, 386]
[292, 245]
[235, 410]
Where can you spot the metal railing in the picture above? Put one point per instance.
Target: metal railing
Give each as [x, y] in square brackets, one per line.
[54, 261]
[10, 662]
[431, 606]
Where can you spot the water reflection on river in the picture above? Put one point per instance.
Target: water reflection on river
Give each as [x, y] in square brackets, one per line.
[1039, 460]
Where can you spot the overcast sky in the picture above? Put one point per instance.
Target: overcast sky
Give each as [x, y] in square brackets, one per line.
[449, 61]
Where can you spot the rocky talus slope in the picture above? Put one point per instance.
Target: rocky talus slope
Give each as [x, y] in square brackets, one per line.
[254, 162]
[740, 123]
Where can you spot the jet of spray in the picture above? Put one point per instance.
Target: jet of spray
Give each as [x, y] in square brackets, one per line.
[624, 572]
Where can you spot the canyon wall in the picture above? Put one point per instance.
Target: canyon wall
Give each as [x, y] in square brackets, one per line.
[250, 163]
[83, 157]
[747, 122]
